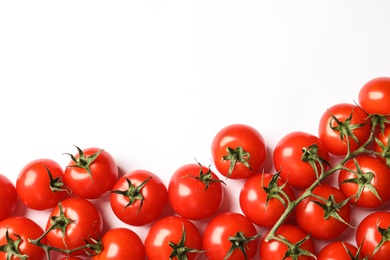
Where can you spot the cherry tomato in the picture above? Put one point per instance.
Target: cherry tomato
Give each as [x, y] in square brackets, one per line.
[373, 234]
[341, 121]
[230, 235]
[238, 151]
[263, 198]
[195, 192]
[83, 223]
[91, 173]
[16, 232]
[173, 237]
[325, 218]
[8, 197]
[374, 96]
[381, 144]
[303, 245]
[295, 155]
[39, 184]
[121, 243]
[139, 198]
[339, 250]
[366, 180]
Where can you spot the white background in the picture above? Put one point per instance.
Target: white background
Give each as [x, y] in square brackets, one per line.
[152, 82]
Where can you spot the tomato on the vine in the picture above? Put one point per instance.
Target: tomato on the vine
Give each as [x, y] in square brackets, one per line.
[40, 184]
[339, 250]
[91, 173]
[8, 197]
[300, 158]
[264, 198]
[374, 96]
[238, 151]
[366, 179]
[344, 127]
[230, 235]
[195, 192]
[138, 198]
[381, 144]
[173, 237]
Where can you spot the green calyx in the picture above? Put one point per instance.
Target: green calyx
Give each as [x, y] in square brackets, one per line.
[56, 184]
[236, 155]
[294, 251]
[179, 250]
[385, 233]
[274, 191]
[239, 240]
[310, 155]
[206, 178]
[331, 208]
[83, 161]
[12, 247]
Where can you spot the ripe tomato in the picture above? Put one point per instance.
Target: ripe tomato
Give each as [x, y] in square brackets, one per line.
[195, 192]
[173, 237]
[138, 198]
[295, 155]
[373, 234]
[325, 218]
[16, 232]
[381, 144]
[339, 250]
[374, 96]
[238, 151]
[230, 235]
[91, 173]
[39, 184]
[301, 245]
[262, 201]
[84, 223]
[341, 121]
[8, 197]
[366, 180]
[121, 243]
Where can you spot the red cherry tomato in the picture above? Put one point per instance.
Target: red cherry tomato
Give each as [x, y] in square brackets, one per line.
[195, 192]
[230, 235]
[39, 184]
[238, 151]
[381, 144]
[338, 250]
[121, 243]
[139, 198]
[374, 96]
[294, 156]
[8, 197]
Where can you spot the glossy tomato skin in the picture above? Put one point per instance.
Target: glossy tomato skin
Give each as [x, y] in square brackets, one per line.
[331, 138]
[25, 228]
[234, 136]
[380, 181]
[154, 193]
[338, 250]
[170, 229]
[71, 258]
[8, 197]
[310, 216]
[374, 96]
[273, 249]
[121, 243]
[220, 228]
[367, 234]
[189, 196]
[104, 174]
[33, 184]
[253, 200]
[86, 224]
[287, 158]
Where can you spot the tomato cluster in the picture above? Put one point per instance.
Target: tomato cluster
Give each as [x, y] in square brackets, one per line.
[283, 213]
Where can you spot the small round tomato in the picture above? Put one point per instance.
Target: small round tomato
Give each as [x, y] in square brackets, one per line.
[173, 237]
[374, 96]
[230, 235]
[8, 197]
[238, 151]
[344, 126]
[195, 192]
[324, 218]
[339, 250]
[138, 198]
[366, 180]
[39, 184]
[81, 221]
[263, 199]
[302, 246]
[300, 158]
[373, 233]
[91, 173]
[121, 243]
[15, 233]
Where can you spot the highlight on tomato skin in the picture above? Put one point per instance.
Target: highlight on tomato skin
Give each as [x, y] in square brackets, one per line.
[374, 96]
[339, 250]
